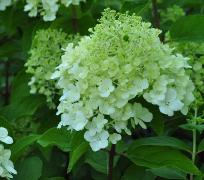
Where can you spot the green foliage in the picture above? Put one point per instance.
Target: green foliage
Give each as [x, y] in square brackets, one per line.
[78, 148]
[156, 46]
[188, 28]
[30, 168]
[159, 157]
[58, 137]
[161, 141]
[168, 173]
[137, 173]
[22, 144]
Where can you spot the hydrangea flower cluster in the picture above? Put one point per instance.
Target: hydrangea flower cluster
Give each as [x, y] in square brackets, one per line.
[195, 51]
[108, 74]
[172, 14]
[47, 8]
[4, 4]
[45, 56]
[6, 165]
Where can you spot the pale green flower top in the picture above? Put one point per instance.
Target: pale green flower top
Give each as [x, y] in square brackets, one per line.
[108, 75]
[44, 57]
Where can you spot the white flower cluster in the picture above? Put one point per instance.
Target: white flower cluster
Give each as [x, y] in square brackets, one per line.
[107, 76]
[4, 4]
[6, 165]
[47, 8]
[195, 51]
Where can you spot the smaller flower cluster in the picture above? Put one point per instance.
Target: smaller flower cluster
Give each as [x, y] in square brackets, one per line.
[47, 8]
[6, 165]
[44, 57]
[172, 14]
[195, 51]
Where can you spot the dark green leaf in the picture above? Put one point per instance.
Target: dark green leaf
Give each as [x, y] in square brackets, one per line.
[160, 141]
[198, 178]
[137, 173]
[54, 178]
[76, 154]
[30, 168]
[201, 146]
[24, 107]
[19, 147]
[168, 173]
[98, 160]
[138, 6]
[78, 148]
[191, 127]
[20, 88]
[157, 124]
[157, 157]
[9, 48]
[188, 28]
[5, 123]
[58, 137]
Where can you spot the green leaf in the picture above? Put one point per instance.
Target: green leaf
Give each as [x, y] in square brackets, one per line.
[5, 123]
[122, 146]
[86, 22]
[188, 28]
[137, 173]
[20, 88]
[9, 49]
[19, 147]
[198, 178]
[191, 127]
[30, 168]
[98, 160]
[160, 141]
[78, 148]
[21, 95]
[137, 6]
[76, 154]
[157, 157]
[157, 124]
[113, 4]
[54, 178]
[201, 146]
[168, 173]
[24, 107]
[58, 137]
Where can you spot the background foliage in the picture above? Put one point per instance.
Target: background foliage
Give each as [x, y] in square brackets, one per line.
[170, 148]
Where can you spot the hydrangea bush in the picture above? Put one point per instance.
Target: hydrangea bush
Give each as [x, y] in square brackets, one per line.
[104, 77]
[6, 165]
[44, 57]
